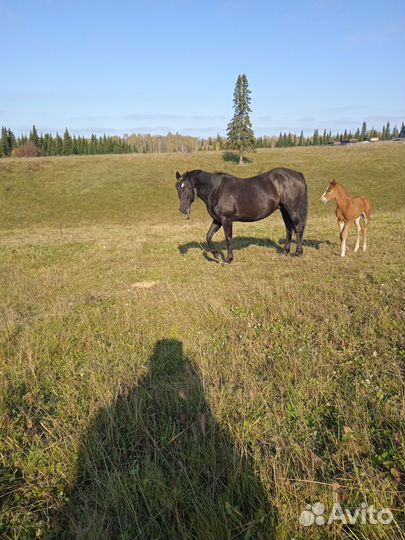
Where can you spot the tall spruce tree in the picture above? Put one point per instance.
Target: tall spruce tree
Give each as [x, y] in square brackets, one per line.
[7, 142]
[240, 135]
[285, 140]
[301, 140]
[363, 132]
[34, 136]
[3, 143]
[58, 145]
[67, 145]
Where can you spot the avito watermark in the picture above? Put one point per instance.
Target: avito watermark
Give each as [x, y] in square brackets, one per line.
[315, 514]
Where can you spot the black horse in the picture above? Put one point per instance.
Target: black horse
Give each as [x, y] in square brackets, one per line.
[230, 199]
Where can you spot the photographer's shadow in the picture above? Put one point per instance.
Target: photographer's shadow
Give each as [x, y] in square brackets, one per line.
[156, 465]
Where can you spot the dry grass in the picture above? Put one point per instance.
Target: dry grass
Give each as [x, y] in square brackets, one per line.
[149, 393]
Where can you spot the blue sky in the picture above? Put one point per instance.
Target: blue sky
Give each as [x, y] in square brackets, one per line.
[158, 66]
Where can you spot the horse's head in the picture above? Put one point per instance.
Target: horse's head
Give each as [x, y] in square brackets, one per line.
[187, 191]
[329, 194]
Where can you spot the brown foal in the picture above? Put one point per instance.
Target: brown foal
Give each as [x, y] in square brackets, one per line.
[348, 211]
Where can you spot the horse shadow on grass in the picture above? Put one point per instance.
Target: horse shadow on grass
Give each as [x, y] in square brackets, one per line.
[156, 464]
[311, 243]
[242, 242]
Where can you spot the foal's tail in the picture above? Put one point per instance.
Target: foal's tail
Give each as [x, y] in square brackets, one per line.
[367, 207]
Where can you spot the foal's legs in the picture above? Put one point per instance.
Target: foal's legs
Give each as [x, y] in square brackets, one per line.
[289, 226]
[227, 225]
[345, 234]
[215, 226]
[358, 227]
[365, 233]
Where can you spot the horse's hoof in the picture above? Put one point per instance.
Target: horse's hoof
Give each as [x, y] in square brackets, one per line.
[216, 255]
[299, 254]
[227, 261]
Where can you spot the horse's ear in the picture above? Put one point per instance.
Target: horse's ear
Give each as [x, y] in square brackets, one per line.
[333, 183]
[178, 175]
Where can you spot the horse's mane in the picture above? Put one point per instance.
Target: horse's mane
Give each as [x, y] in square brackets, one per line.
[224, 175]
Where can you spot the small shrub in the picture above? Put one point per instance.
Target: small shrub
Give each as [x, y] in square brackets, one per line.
[28, 149]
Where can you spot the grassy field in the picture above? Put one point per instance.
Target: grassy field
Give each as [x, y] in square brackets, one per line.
[147, 392]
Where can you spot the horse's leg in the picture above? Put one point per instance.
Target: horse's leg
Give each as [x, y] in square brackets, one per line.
[299, 225]
[341, 227]
[341, 222]
[299, 231]
[227, 225]
[358, 227]
[215, 226]
[289, 226]
[345, 234]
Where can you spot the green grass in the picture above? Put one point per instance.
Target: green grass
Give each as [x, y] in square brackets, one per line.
[149, 393]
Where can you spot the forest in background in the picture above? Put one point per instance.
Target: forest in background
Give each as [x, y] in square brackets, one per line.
[48, 144]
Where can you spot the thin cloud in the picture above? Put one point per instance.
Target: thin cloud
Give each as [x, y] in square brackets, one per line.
[372, 36]
[307, 119]
[262, 118]
[352, 108]
[206, 131]
[172, 117]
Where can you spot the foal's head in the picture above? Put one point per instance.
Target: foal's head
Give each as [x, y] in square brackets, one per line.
[330, 192]
[186, 191]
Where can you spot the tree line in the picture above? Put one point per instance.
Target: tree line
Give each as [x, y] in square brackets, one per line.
[35, 144]
[361, 134]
